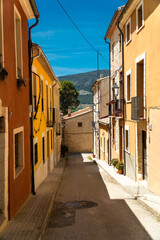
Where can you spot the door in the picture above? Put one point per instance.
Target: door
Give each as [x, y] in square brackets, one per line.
[144, 157]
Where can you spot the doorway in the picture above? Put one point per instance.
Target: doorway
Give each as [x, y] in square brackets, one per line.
[144, 156]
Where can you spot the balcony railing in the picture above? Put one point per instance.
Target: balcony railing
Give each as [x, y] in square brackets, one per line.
[115, 108]
[50, 117]
[137, 108]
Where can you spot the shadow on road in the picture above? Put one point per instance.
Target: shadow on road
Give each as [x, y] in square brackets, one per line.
[105, 218]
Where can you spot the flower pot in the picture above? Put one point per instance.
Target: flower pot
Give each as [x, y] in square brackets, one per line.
[120, 171]
[94, 155]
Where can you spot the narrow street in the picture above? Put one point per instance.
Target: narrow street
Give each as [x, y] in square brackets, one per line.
[90, 205]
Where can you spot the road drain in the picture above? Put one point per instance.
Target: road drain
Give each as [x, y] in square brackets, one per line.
[63, 214]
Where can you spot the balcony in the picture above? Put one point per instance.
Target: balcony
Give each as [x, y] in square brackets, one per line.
[115, 108]
[137, 108]
[50, 117]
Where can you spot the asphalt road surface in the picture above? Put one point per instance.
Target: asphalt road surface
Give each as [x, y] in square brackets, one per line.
[90, 205]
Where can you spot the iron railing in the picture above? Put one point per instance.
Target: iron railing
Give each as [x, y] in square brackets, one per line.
[50, 117]
[137, 108]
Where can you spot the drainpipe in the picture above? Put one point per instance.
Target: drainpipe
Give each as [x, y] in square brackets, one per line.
[31, 105]
[124, 155]
[110, 142]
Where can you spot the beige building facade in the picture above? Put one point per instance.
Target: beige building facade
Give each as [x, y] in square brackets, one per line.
[78, 132]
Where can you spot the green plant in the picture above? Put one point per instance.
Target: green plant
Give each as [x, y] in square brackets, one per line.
[90, 158]
[114, 161]
[120, 165]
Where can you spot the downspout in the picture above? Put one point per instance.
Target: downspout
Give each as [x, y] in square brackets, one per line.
[110, 141]
[31, 104]
[124, 155]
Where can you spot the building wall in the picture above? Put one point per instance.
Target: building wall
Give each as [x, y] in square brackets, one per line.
[79, 139]
[154, 150]
[17, 101]
[140, 46]
[104, 143]
[41, 129]
[104, 96]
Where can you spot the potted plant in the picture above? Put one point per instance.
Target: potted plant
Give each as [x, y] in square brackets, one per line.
[114, 161]
[120, 166]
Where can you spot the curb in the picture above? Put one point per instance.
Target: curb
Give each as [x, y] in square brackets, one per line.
[51, 204]
[139, 199]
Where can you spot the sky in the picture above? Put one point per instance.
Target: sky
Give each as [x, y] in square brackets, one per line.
[66, 50]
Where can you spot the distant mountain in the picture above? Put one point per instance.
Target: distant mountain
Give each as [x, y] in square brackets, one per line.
[84, 81]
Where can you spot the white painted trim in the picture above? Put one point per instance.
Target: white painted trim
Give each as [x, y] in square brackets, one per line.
[41, 77]
[129, 72]
[138, 59]
[35, 140]
[47, 83]
[128, 22]
[139, 5]
[127, 128]
[16, 12]
[15, 131]
[43, 134]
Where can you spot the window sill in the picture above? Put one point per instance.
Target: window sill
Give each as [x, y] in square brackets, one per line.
[127, 43]
[18, 170]
[127, 151]
[139, 29]
[129, 101]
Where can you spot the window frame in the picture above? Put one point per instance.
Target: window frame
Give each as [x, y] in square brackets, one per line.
[80, 124]
[19, 169]
[128, 22]
[137, 8]
[16, 12]
[128, 73]
[127, 129]
[43, 149]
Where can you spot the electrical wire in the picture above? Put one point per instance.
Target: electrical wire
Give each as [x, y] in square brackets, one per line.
[81, 32]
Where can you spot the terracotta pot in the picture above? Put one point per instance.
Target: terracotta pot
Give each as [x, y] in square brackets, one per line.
[120, 171]
[94, 156]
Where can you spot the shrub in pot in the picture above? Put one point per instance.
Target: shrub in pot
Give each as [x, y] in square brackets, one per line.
[120, 167]
[114, 161]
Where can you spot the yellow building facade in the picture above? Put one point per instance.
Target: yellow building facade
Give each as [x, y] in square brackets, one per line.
[139, 23]
[47, 122]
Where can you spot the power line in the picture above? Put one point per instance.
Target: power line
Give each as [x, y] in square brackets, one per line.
[82, 33]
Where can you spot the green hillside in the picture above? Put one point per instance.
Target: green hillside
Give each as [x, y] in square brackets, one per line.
[84, 81]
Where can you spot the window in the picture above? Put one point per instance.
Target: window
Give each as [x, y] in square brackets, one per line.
[42, 97]
[113, 52]
[18, 44]
[18, 143]
[34, 91]
[127, 138]
[128, 86]
[36, 153]
[79, 124]
[139, 16]
[113, 137]
[43, 150]
[128, 31]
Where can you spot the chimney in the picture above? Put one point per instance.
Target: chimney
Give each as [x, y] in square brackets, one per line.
[69, 111]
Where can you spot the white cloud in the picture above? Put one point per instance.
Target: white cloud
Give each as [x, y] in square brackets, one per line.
[46, 34]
